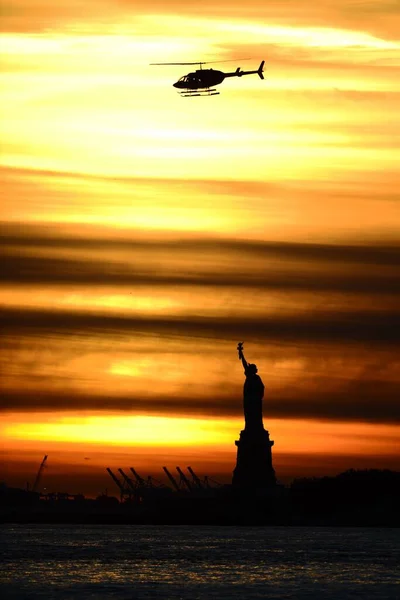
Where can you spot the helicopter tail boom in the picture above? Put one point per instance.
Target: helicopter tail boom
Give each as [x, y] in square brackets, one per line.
[239, 73]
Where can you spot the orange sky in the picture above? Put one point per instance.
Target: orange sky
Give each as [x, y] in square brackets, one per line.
[144, 234]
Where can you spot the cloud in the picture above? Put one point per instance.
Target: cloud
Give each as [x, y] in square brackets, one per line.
[361, 207]
[32, 254]
[331, 326]
[27, 235]
[377, 16]
[322, 328]
[38, 270]
[367, 400]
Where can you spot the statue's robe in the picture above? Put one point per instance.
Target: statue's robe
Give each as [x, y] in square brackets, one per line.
[253, 393]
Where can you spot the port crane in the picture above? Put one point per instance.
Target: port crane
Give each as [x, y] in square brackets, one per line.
[139, 488]
[129, 482]
[172, 479]
[121, 486]
[138, 478]
[196, 479]
[184, 479]
[39, 473]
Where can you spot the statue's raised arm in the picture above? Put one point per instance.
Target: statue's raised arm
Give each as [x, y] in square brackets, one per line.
[241, 355]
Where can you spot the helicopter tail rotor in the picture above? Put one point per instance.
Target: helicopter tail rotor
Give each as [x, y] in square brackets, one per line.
[260, 70]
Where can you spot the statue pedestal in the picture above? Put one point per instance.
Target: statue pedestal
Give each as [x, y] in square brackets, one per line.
[254, 460]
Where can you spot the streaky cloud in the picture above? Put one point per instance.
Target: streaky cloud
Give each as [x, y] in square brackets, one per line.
[367, 326]
[17, 237]
[375, 16]
[19, 269]
[370, 401]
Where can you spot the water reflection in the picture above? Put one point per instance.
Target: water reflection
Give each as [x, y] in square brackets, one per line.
[205, 562]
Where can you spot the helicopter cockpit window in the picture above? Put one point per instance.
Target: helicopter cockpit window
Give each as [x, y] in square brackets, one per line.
[183, 79]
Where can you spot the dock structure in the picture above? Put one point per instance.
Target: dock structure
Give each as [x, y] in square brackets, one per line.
[140, 489]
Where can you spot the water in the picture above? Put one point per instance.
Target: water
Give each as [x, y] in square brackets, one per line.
[130, 562]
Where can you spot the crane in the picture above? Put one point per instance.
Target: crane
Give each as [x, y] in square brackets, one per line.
[195, 478]
[139, 479]
[184, 479]
[39, 473]
[117, 482]
[172, 479]
[128, 480]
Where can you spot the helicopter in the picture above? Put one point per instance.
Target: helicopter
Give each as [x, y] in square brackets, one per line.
[202, 82]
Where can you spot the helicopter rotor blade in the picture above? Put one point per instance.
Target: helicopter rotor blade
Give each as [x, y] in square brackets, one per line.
[224, 61]
[200, 62]
[182, 63]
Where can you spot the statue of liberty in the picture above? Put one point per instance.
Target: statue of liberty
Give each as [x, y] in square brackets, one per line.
[253, 393]
[254, 468]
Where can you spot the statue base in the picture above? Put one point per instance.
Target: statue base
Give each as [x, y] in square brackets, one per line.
[254, 461]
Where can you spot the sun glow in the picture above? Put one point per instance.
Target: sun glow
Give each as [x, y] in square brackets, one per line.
[125, 431]
[200, 434]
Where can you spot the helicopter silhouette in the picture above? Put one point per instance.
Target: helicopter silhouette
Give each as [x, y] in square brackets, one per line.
[202, 82]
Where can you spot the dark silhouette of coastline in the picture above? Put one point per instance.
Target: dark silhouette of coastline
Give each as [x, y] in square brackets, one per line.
[354, 498]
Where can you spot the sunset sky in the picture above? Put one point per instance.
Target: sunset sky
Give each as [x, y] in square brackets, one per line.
[144, 234]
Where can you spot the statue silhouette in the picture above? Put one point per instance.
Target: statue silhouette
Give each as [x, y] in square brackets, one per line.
[253, 393]
[254, 468]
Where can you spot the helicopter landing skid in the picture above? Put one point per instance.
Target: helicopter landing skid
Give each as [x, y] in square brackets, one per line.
[206, 92]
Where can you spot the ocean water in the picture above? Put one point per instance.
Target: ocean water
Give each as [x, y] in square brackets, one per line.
[130, 562]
